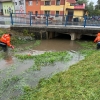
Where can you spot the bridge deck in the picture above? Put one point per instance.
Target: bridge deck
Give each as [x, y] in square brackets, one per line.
[59, 28]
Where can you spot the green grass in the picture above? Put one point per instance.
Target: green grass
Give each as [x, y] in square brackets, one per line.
[46, 59]
[88, 47]
[80, 82]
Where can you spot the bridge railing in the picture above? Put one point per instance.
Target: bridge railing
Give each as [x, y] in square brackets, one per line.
[40, 19]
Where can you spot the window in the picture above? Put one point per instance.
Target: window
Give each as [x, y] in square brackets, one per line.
[30, 3]
[36, 13]
[57, 2]
[15, 3]
[36, 2]
[21, 2]
[57, 13]
[47, 12]
[47, 2]
[5, 11]
[9, 10]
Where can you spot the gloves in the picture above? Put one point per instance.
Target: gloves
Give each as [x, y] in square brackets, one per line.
[12, 47]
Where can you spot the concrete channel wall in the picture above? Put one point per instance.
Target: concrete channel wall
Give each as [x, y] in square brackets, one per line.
[47, 32]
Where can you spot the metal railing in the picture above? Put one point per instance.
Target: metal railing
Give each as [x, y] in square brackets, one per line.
[64, 20]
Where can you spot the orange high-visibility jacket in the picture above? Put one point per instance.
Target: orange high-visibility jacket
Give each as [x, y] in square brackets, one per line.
[6, 39]
[97, 39]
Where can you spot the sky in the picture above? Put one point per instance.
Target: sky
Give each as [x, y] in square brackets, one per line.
[95, 1]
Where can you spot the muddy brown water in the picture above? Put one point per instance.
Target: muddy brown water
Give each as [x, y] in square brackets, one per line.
[58, 45]
[12, 66]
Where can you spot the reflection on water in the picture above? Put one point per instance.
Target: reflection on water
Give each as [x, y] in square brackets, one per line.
[58, 45]
[8, 59]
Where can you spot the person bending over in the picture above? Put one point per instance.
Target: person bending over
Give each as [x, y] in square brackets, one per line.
[5, 42]
[97, 40]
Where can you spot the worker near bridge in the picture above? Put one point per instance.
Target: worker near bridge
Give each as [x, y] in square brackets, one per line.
[97, 40]
[5, 42]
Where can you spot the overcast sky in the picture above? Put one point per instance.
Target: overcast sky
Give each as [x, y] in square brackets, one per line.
[95, 1]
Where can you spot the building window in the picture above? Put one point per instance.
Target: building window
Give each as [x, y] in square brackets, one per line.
[47, 2]
[9, 10]
[30, 3]
[36, 13]
[36, 2]
[5, 11]
[47, 12]
[15, 3]
[57, 2]
[21, 2]
[57, 13]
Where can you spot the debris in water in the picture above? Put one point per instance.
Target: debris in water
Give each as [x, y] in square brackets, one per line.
[73, 51]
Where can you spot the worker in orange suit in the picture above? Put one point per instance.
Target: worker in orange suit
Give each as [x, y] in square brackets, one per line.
[97, 40]
[5, 42]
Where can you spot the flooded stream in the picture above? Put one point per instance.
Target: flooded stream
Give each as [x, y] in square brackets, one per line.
[13, 67]
[45, 45]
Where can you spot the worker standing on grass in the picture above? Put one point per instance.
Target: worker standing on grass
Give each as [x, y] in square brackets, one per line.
[97, 40]
[5, 42]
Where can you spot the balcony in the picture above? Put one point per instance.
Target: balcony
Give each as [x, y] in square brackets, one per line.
[79, 6]
[75, 6]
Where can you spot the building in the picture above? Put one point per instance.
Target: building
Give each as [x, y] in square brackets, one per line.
[1, 8]
[53, 7]
[33, 6]
[19, 6]
[6, 7]
[74, 10]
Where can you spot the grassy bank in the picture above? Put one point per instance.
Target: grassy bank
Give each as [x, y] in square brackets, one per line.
[80, 82]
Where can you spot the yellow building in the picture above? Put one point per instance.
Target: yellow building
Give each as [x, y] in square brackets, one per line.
[63, 7]
[52, 7]
[74, 10]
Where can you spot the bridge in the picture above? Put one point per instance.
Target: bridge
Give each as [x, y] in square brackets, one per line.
[45, 28]
[51, 31]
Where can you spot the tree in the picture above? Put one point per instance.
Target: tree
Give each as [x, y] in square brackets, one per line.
[98, 2]
[90, 8]
[98, 5]
[82, 1]
[97, 8]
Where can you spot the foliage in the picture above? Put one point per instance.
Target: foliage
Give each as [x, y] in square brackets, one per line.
[90, 8]
[6, 82]
[98, 1]
[82, 1]
[46, 58]
[27, 33]
[2, 31]
[37, 42]
[88, 47]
